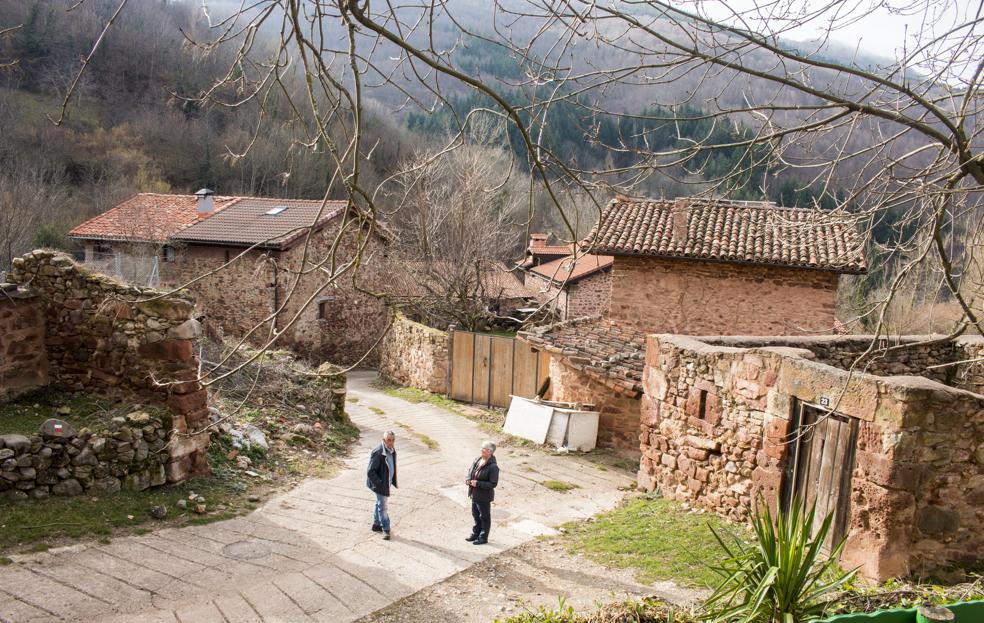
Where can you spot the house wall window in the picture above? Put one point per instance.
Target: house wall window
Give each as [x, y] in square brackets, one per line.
[102, 249]
[169, 253]
[325, 305]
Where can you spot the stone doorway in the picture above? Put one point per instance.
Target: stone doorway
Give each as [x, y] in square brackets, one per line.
[820, 465]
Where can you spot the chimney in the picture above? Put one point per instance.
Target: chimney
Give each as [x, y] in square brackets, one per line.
[679, 221]
[205, 201]
[538, 240]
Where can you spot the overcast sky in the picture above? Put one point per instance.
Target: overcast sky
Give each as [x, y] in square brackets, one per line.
[880, 27]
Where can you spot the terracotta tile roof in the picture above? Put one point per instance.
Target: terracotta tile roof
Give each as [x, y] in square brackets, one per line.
[601, 348]
[551, 249]
[566, 270]
[260, 221]
[147, 217]
[538, 251]
[756, 232]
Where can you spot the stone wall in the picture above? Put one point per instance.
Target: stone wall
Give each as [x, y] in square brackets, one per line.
[130, 453]
[415, 355]
[23, 362]
[618, 420]
[103, 335]
[707, 298]
[715, 421]
[590, 295]
[240, 296]
[969, 372]
[906, 354]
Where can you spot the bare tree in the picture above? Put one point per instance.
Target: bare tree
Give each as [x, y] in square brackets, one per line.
[460, 214]
[29, 194]
[895, 143]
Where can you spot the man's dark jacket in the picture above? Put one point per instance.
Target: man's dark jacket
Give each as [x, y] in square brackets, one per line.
[376, 474]
[487, 479]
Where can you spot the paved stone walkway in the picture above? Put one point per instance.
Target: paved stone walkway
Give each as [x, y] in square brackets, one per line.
[308, 554]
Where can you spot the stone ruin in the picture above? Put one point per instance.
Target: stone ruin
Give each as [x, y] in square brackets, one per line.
[64, 326]
[729, 420]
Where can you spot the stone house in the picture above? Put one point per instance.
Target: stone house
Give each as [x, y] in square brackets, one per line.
[273, 277]
[572, 283]
[891, 443]
[696, 267]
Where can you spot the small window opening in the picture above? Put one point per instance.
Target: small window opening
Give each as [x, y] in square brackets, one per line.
[169, 254]
[275, 211]
[702, 405]
[228, 256]
[324, 307]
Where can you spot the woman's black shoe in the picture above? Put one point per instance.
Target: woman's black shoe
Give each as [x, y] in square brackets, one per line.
[471, 538]
[479, 542]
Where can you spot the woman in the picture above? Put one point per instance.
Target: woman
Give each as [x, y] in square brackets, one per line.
[482, 479]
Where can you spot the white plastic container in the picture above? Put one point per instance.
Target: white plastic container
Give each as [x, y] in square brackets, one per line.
[553, 423]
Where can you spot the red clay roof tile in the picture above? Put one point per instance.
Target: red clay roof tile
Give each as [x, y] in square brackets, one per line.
[148, 217]
[756, 232]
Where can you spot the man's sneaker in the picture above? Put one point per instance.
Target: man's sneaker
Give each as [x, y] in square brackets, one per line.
[386, 536]
[377, 528]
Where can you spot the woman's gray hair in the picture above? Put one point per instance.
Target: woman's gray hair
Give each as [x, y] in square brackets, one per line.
[389, 434]
[489, 444]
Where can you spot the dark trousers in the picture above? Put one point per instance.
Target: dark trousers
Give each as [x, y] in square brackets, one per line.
[482, 514]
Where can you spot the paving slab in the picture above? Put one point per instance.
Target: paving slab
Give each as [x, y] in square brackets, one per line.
[308, 554]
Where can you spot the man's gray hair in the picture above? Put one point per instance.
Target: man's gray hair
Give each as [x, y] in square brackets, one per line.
[488, 444]
[389, 434]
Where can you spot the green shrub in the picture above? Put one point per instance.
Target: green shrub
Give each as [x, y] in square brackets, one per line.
[782, 576]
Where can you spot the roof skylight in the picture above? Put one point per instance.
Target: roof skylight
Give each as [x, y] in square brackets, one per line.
[275, 211]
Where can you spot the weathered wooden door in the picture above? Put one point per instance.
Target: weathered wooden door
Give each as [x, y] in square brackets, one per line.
[486, 369]
[821, 465]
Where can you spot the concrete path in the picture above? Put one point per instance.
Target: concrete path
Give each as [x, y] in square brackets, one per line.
[308, 554]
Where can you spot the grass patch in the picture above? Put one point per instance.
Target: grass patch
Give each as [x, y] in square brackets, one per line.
[377, 410]
[657, 537]
[25, 415]
[559, 485]
[424, 439]
[4, 561]
[416, 396]
[353, 399]
[429, 442]
[44, 523]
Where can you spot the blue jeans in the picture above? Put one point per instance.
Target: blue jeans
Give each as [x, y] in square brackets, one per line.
[380, 515]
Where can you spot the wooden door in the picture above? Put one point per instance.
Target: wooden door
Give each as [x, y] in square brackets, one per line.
[821, 466]
[486, 369]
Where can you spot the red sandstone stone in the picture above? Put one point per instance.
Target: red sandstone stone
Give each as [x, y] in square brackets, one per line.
[188, 403]
[179, 350]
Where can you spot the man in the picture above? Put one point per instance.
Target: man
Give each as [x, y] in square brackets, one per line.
[482, 480]
[380, 475]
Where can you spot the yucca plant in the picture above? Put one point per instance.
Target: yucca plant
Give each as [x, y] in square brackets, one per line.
[782, 577]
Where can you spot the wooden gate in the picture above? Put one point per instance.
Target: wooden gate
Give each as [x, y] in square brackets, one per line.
[486, 369]
[821, 465]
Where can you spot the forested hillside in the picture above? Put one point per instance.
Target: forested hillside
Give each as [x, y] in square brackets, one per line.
[138, 121]
[133, 124]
